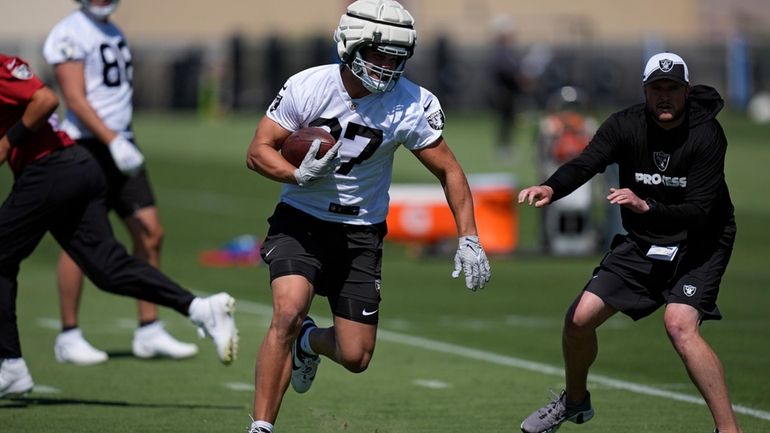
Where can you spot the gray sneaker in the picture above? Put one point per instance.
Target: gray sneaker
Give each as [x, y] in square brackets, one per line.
[549, 418]
[303, 365]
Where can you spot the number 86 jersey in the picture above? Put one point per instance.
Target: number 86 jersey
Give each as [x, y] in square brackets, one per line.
[371, 128]
[103, 50]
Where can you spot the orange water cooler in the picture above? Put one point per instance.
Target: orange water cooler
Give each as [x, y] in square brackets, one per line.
[420, 215]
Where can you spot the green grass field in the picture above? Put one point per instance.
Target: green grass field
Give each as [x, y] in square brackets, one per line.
[447, 360]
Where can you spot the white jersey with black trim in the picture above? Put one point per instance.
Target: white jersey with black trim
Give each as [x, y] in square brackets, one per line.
[370, 128]
[106, 59]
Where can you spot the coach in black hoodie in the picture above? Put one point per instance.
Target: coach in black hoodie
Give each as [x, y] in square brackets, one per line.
[676, 208]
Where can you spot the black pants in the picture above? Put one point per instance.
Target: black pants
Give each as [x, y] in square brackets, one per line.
[64, 193]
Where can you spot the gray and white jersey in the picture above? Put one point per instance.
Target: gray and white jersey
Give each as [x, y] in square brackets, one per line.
[108, 71]
[370, 128]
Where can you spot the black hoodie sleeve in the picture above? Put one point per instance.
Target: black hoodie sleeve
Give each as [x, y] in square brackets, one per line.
[595, 158]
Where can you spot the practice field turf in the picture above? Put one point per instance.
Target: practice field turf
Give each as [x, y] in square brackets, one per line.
[447, 360]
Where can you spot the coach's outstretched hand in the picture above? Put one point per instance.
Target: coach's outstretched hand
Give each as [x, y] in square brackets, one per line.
[312, 169]
[471, 259]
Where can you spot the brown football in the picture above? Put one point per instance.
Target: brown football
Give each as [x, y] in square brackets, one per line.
[295, 147]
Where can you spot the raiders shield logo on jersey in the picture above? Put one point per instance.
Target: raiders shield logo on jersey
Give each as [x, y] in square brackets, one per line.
[689, 289]
[666, 64]
[67, 49]
[661, 160]
[21, 72]
[436, 120]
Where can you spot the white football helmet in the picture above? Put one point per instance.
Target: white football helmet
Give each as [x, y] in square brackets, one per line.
[101, 12]
[384, 25]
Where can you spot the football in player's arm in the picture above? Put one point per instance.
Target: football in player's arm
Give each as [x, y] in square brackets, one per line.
[326, 234]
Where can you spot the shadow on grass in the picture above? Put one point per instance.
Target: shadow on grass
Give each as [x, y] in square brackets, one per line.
[115, 355]
[23, 402]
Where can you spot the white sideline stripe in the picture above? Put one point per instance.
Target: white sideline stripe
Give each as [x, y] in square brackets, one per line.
[509, 361]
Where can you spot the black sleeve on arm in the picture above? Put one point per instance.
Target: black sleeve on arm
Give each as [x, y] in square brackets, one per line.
[18, 133]
[704, 180]
[595, 158]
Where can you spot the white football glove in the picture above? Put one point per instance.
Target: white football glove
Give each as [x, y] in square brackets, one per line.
[312, 169]
[127, 157]
[471, 259]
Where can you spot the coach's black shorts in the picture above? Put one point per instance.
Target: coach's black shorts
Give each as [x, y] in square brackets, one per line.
[342, 261]
[637, 285]
[125, 194]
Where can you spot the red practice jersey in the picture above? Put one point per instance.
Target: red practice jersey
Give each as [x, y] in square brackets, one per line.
[17, 85]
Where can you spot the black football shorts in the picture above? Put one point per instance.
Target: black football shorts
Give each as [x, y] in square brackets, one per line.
[343, 262]
[637, 285]
[125, 194]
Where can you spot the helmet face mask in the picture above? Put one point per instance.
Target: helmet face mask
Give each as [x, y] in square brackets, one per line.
[380, 24]
[376, 78]
[100, 12]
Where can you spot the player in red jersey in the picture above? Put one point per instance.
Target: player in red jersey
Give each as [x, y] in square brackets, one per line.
[59, 188]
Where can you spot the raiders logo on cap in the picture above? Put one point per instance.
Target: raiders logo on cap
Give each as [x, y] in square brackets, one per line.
[666, 66]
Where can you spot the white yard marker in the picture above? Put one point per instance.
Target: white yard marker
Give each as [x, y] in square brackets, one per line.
[432, 384]
[49, 323]
[45, 389]
[240, 386]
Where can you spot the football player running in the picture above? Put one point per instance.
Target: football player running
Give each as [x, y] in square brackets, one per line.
[59, 188]
[93, 67]
[325, 236]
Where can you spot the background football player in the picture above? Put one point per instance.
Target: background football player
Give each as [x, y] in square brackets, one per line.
[92, 64]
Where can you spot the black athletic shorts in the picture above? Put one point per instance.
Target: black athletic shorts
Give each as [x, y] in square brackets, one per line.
[637, 285]
[343, 262]
[125, 194]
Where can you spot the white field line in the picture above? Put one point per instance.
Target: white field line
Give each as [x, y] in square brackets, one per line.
[551, 370]
[509, 361]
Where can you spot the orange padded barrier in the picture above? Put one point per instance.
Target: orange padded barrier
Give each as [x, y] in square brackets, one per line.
[419, 213]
